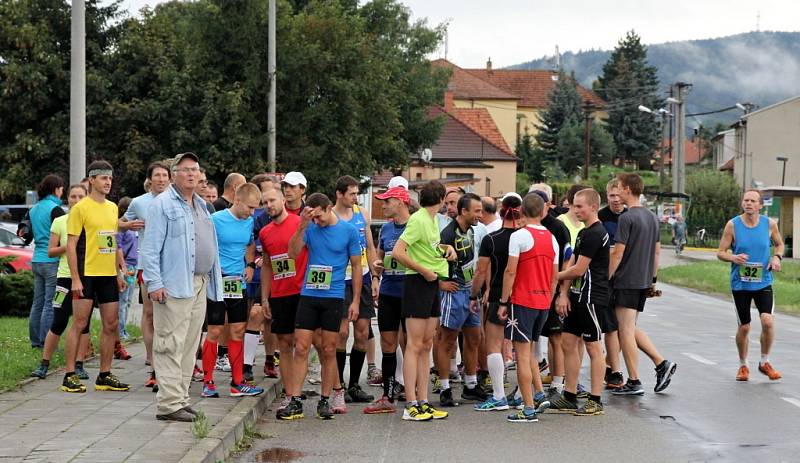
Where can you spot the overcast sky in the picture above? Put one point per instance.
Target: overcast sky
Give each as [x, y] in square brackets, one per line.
[514, 31]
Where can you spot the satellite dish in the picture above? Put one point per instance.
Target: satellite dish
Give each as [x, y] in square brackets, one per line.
[426, 155]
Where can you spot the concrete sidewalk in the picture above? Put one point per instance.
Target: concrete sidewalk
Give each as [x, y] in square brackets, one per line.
[38, 422]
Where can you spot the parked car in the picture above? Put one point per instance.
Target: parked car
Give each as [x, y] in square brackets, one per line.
[13, 246]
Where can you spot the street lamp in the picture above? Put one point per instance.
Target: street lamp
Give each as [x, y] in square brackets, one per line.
[661, 113]
[782, 159]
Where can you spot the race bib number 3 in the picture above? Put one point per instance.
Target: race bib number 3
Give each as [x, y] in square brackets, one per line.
[319, 277]
[232, 287]
[60, 296]
[282, 267]
[391, 266]
[751, 272]
[107, 242]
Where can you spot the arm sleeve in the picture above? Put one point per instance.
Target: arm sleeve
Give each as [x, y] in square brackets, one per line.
[75, 221]
[487, 247]
[131, 214]
[152, 244]
[519, 242]
[590, 244]
[624, 229]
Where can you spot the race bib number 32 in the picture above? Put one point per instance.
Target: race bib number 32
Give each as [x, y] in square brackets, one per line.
[232, 287]
[319, 277]
[751, 272]
[282, 267]
[107, 242]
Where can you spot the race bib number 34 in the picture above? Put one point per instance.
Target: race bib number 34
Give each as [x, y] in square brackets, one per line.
[751, 272]
[107, 242]
[282, 267]
[232, 287]
[319, 277]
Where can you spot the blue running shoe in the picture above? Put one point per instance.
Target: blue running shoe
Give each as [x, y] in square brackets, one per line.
[492, 404]
[40, 372]
[512, 401]
[210, 390]
[241, 390]
[82, 374]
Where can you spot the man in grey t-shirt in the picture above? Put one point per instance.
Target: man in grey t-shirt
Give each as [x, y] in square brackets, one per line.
[632, 269]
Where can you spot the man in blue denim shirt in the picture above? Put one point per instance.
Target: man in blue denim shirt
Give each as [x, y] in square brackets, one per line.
[181, 268]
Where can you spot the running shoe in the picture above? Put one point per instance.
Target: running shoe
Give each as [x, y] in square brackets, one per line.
[245, 390]
[415, 413]
[292, 411]
[381, 405]
[110, 383]
[374, 377]
[512, 400]
[455, 377]
[664, 373]
[521, 417]
[284, 402]
[120, 353]
[210, 390]
[338, 403]
[543, 365]
[151, 380]
[276, 359]
[615, 381]
[492, 404]
[71, 383]
[436, 414]
[314, 377]
[629, 389]
[247, 373]
[399, 392]
[511, 365]
[223, 364]
[197, 375]
[437, 384]
[766, 368]
[474, 394]
[541, 402]
[582, 392]
[358, 395]
[607, 375]
[40, 372]
[562, 404]
[743, 374]
[485, 381]
[82, 374]
[270, 371]
[590, 408]
[324, 411]
[347, 398]
[446, 398]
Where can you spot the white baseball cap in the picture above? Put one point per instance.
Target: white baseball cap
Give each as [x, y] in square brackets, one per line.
[398, 181]
[295, 178]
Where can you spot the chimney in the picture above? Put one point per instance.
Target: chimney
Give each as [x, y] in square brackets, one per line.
[489, 65]
[448, 100]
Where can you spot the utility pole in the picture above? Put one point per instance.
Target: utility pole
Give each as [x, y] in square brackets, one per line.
[587, 119]
[679, 161]
[271, 161]
[77, 93]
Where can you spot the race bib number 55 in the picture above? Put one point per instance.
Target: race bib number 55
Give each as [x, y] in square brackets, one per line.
[232, 287]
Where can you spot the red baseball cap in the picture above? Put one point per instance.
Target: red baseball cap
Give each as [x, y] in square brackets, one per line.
[396, 192]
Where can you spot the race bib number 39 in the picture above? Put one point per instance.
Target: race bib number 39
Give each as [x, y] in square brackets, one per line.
[107, 242]
[282, 267]
[391, 266]
[60, 296]
[319, 277]
[751, 272]
[232, 287]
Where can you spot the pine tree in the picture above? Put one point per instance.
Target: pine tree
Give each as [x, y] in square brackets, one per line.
[532, 159]
[626, 82]
[563, 109]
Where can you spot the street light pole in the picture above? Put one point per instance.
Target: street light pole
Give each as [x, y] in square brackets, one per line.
[783, 174]
[587, 118]
[271, 161]
[77, 93]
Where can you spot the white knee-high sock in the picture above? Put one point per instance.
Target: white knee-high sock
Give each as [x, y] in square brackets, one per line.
[496, 370]
[398, 372]
[250, 347]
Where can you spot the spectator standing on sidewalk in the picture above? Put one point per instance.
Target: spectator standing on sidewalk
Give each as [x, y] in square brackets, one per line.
[128, 243]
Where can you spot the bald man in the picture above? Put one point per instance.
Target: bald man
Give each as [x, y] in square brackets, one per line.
[232, 182]
[490, 217]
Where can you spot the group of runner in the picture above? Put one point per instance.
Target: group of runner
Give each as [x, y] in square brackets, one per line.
[452, 272]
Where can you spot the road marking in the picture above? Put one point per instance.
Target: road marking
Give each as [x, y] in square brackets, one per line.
[792, 401]
[699, 358]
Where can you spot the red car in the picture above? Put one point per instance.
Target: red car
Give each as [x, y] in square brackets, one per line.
[13, 247]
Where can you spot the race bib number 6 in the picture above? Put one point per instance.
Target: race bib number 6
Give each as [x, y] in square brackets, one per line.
[391, 266]
[282, 266]
[107, 242]
[232, 287]
[319, 277]
[751, 272]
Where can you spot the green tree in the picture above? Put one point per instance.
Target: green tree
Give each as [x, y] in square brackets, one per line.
[563, 109]
[571, 147]
[715, 199]
[532, 159]
[627, 81]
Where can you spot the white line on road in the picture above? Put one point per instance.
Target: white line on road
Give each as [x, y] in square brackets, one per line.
[699, 358]
[792, 401]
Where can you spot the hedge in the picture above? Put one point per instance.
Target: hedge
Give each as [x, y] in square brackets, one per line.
[16, 294]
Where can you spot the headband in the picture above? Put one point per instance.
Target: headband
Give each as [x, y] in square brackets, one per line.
[96, 172]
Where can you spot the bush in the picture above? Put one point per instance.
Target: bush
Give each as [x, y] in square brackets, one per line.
[715, 199]
[16, 294]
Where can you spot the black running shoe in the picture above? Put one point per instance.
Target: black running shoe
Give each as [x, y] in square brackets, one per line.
[399, 392]
[562, 404]
[293, 411]
[629, 389]
[359, 396]
[324, 411]
[543, 365]
[446, 398]
[110, 383]
[664, 374]
[247, 373]
[475, 394]
[615, 380]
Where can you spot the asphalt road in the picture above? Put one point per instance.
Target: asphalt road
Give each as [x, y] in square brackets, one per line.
[704, 415]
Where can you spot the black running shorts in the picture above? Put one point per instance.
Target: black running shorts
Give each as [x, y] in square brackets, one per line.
[366, 308]
[583, 320]
[103, 290]
[524, 324]
[284, 313]
[319, 312]
[420, 297]
[629, 298]
[390, 309]
[236, 309]
[744, 299]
